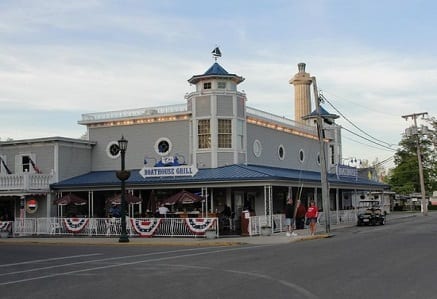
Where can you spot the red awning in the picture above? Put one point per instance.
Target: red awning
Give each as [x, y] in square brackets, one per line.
[70, 199]
[183, 197]
[130, 198]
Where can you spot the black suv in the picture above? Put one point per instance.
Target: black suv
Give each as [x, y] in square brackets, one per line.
[370, 213]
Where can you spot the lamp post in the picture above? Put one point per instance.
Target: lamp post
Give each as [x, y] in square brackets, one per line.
[123, 175]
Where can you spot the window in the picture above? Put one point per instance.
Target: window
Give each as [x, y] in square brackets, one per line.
[113, 150]
[224, 133]
[257, 148]
[163, 146]
[332, 152]
[221, 85]
[204, 133]
[240, 134]
[25, 163]
[281, 152]
[301, 156]
[207, 85]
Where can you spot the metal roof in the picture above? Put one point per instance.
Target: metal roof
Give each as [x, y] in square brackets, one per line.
[216, 71]
[232, 175]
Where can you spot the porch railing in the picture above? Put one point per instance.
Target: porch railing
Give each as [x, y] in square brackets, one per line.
[111, 227]
[336, 217]
[25, 181]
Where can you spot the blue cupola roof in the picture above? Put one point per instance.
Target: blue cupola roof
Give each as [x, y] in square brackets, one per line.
[327, 117]
[216, 71]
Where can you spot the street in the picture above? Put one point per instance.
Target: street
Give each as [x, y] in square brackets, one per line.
[396, 260]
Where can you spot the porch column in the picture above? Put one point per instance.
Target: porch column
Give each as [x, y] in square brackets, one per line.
[268, 202]
[337, 201]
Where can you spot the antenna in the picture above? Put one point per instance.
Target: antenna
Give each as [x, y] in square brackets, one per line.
[216, 53]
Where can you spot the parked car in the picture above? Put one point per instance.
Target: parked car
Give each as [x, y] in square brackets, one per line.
[370, 212]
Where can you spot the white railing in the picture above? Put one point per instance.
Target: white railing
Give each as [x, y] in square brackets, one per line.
[339, 217]
[133, 113]
[111, 227]
[256, 223]
[25, 181]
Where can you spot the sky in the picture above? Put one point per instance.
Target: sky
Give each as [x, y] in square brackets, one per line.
[374, 61]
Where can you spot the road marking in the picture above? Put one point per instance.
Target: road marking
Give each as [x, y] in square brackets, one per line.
[129, 263]
[49, 260]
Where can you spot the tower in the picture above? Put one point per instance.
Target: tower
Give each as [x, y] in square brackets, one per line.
[218, 117]
[302, 95]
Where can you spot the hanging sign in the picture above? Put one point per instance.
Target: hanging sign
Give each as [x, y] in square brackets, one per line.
[168, 171]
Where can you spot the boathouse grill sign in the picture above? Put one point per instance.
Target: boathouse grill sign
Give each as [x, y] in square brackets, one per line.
[169, 170]
[346, 171]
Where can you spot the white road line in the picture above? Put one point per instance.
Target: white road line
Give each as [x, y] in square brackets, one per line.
[130, 263]
[50, 259]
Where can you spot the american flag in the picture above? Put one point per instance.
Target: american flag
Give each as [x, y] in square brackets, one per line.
[34, 166]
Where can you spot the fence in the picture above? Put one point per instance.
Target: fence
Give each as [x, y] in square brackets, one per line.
[258, 223]
[111, 227]
[156, 227]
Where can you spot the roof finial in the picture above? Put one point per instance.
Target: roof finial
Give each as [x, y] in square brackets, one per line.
[216, 53]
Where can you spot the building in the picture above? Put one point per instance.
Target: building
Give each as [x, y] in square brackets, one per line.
[213, 145]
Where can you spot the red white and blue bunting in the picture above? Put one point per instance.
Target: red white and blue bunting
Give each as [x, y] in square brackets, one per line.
[75, 225]
[4, 226]
[199, 226]
[145, 227]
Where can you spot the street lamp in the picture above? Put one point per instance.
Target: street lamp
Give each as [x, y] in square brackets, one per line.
[123, 175]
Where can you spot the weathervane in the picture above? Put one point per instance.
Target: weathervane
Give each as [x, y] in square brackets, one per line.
[216, 53]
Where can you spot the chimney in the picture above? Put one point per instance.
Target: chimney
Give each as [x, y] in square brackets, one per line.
[302, 94]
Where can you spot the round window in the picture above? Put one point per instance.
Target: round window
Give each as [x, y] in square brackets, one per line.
[113, 150]
[163, 146]
[281, 152]
[301, 156]
[257, 148]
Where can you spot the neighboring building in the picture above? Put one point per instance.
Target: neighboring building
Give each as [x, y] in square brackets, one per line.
[212, 144]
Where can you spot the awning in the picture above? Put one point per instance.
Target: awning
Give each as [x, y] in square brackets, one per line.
[182, 197]
[70, 199]
[130, 198]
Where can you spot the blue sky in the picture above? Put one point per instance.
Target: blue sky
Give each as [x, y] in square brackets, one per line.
[374, 60]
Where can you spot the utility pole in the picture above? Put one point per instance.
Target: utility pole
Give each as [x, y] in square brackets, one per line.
[323, 168]
[419, 158]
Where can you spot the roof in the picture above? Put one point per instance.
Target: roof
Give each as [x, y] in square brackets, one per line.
[47, 140]
[216, 71]
[237, 174]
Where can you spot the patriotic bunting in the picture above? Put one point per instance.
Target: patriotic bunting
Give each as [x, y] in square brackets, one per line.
[34, 166]
[145, 227]
[75, 225]
[5, 166]
[199, 226]
[4, 226]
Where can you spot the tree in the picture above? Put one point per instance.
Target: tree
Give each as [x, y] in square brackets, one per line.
[404, 178]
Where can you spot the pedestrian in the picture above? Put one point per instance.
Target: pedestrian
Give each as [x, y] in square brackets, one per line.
[311, 215]
[163, 210]
[300, 215]
[289, 216]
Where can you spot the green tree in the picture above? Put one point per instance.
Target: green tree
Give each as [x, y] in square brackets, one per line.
[404, 178]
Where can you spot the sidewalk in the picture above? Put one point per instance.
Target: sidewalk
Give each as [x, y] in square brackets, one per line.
[277, 238]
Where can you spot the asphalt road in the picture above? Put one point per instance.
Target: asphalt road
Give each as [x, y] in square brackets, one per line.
[396, 260]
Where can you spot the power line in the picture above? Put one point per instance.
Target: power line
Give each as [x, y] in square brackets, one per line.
[349, 121]
[381, 145]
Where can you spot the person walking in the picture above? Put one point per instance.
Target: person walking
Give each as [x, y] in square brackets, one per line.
[300, 215]
[289, 216]
[311, 215]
